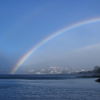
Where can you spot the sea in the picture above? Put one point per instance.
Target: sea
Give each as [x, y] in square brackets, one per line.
[50, 89]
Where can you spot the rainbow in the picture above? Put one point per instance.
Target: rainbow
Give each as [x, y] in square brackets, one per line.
[53, 35]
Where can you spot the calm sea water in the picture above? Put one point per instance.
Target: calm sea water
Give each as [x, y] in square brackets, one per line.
[68, 89]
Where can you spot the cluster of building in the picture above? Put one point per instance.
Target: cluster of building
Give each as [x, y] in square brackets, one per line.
[62, 70]
[95, 72]
[52, 70]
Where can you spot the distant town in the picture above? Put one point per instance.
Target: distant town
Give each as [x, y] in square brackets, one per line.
[61, 70]
[53, 73]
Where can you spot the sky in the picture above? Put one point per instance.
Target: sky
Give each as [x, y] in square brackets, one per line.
[25, 23]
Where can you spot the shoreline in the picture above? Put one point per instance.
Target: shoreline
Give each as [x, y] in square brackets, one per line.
[43, 76]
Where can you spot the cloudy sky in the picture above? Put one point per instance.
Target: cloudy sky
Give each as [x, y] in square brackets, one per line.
[25, 23]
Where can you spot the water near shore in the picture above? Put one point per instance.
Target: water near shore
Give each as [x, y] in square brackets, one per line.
[65, 89]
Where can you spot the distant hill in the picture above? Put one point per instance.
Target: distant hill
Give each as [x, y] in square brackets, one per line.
[5, 65]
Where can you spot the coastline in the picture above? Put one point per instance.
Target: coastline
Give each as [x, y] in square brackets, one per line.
[45, 76]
